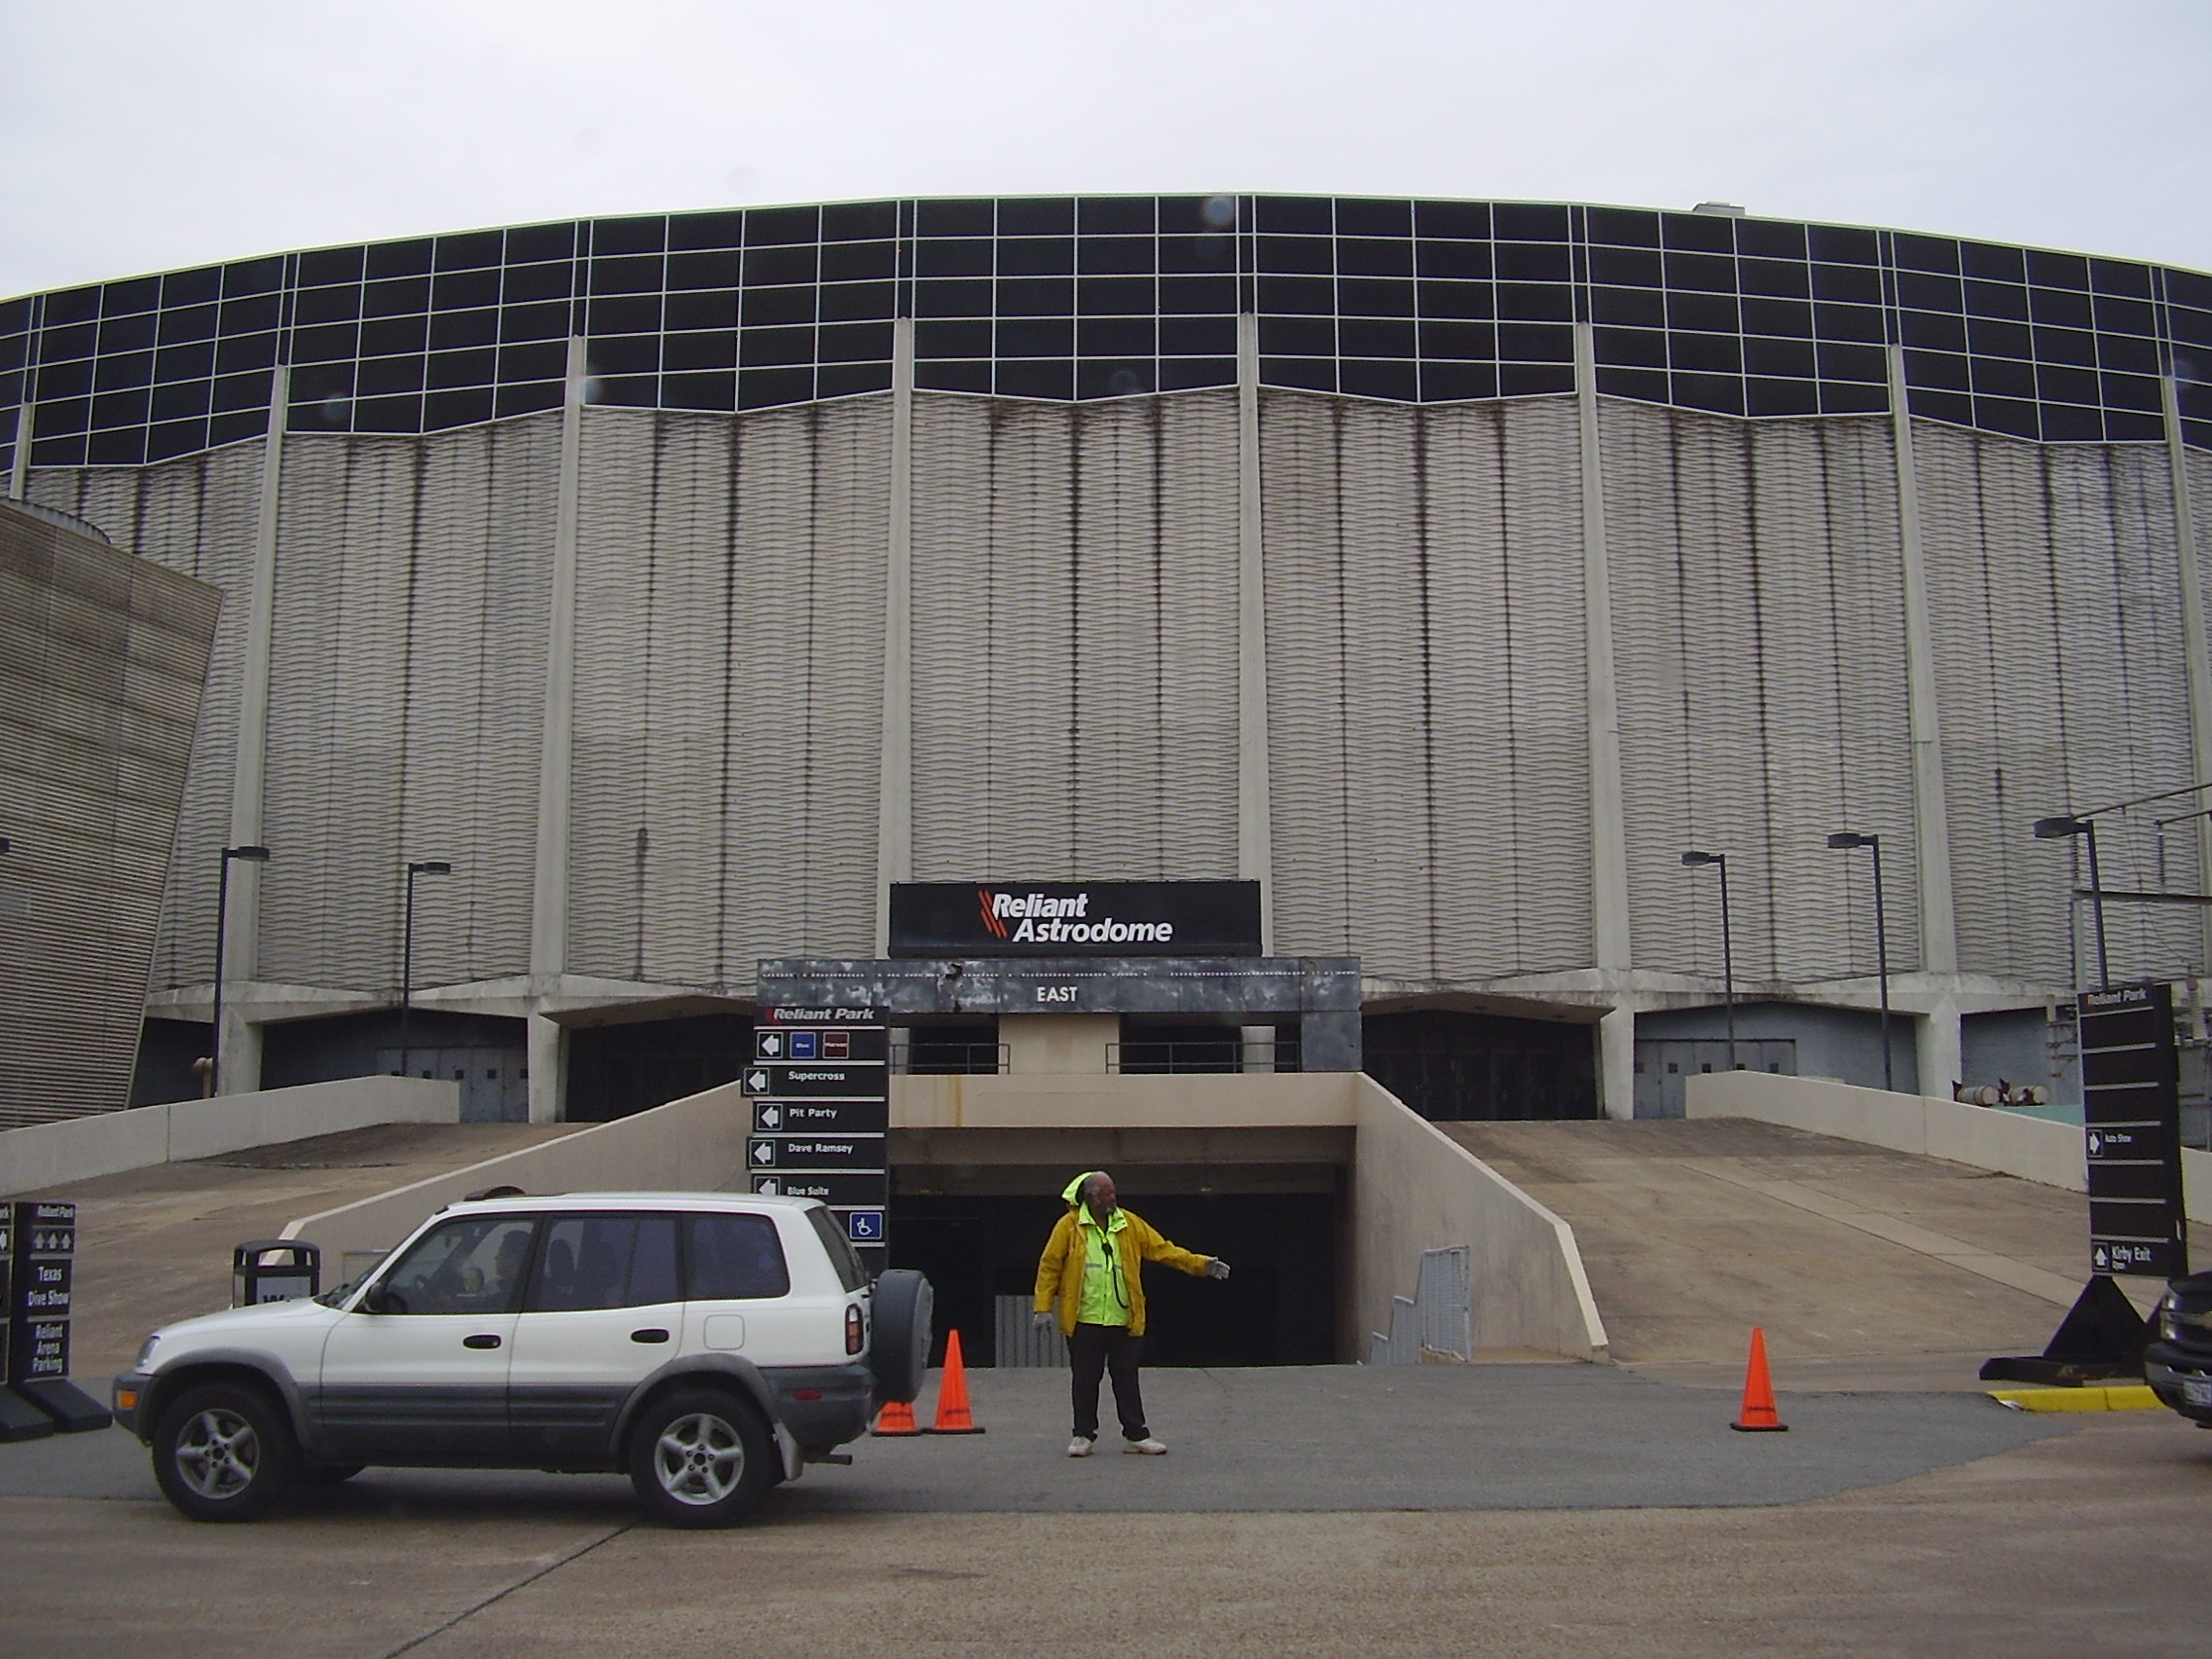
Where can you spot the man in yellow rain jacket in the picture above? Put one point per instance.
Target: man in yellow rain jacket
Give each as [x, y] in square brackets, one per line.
[1089, 1283]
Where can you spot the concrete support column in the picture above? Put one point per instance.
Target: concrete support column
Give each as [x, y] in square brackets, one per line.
[19, 464]
[1609, 835]
[894, 798]
[240, 1071]
[547, 1042]
[1940, 1049]
[2195, 657]
[1255, 835]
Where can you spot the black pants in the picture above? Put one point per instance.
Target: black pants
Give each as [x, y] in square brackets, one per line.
[1095, 1350]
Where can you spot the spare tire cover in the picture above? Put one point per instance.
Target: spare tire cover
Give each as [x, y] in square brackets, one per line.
[898, 1346]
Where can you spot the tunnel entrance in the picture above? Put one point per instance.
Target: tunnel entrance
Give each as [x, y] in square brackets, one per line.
[1278, 1306]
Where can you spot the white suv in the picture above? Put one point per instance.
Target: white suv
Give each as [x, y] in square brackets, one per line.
[707, 1343]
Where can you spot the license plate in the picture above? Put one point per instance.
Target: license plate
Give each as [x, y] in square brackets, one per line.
[2197, 1390]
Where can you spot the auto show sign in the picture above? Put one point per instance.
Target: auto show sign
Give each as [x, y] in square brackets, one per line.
[819, 1089]
[1079, 918]
[2131, 1131]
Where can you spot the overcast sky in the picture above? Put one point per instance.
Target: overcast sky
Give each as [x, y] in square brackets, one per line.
[140, 136]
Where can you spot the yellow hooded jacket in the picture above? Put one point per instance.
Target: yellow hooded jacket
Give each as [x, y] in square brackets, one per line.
[1059, 1271]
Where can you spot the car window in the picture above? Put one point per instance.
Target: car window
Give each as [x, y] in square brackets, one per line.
[472, 1265]
[736, 1258]
[606, 1261]
[850, 1273]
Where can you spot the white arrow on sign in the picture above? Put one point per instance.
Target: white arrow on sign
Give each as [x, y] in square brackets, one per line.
[763, 1152]
[771, 1117]
[756, 1083]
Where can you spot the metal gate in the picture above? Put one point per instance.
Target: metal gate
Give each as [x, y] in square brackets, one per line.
[1662, 1065]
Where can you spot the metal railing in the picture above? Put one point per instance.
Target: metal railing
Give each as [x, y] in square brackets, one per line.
[1191, 1056]
[909, 1059]
[1437, 1319]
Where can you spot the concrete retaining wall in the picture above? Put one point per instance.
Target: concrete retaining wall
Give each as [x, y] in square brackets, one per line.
[77, 1149]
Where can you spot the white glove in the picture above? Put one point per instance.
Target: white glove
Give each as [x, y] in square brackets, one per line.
[1042, 1321]
[1216, 1268]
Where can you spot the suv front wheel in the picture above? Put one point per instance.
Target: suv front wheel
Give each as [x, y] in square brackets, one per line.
[223, 1452]
[701, 1458]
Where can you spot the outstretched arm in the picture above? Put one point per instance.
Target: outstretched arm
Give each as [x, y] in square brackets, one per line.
[1154, 1248]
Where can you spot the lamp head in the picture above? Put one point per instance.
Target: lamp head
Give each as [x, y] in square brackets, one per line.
[429, 866]
[1694, 859]
[251, 855]
[2058, 829]
[1844, 838]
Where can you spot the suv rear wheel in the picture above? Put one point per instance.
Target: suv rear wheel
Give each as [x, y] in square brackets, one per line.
[701, 1458]
[223, 1452]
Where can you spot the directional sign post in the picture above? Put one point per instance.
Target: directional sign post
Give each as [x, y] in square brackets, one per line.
[819, 1091]
[42, 1283]
[2131, 1132]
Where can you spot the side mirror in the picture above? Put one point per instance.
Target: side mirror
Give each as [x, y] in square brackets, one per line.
[383, 1301]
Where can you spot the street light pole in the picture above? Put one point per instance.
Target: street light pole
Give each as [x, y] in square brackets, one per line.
[1873, 843]
[421, 867]
[1727, 945]
[2059, 829]
[251, 855]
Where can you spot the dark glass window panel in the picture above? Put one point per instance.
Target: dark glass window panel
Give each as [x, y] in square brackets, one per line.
[1307, 296]
[251, 315]
[1115, 215]
[1455, 259]
[1100, 255]
[1466, 340]
[187, 401]
[398, 259]
[330, 343]
[1850, 397]
[854, 343]
[1036, 295]
[1638, 307]
[1705, 273]
[469, 250]
[626, 314]
[229, 428]
[1999, 339]
[1192, 215]
[1535, 262]
[1035, 378]
[1621, 227]
[245, 351]
[701, 390]
[2055, 384]
[253, 276]
[1110, 377]
[1535, 343]
[858, 301]
[190, 361]
[972, 376]
[1120, 337]
[648, 234]
[322, 401]
[1298, 255]
[965, 218]
[2130, 426]
[1860, 284]
[714, 307]
[14, 315]
[2197, 434]
[1037, 256]
[953, 259]
[1373, 337]
[953, 299]
[1934, 405]
[627, 354]
[1368, 377]
[1362, 256]
[1198, 256]
[1117, 296]
[1309, 374]
[851, 379]
[64, 380]
[2196, 400]
[122, 369]
[1037, 216]
[327, 265]
[2000, 377]
[2189, 288]
[545, 360]
[1535, 302]
[137, 294]
[403, 296]
[58, 451]
[1362, 216]
[858, 261]
[2057, 269]
[2066, 346]
[1776, 278]
[384, 335]
[2129, 353]
[1635, 347]
[525, 398]
[450, 369]
[1848, 323]
[1715, 313]
[464, 290]
[1295, 215]
[1464, 219]
[1523, 221]
[1648, 386]
[1934, 332]
[2001, 300]
[1633, 267]
[2007, 415]
[1374, 296]
[633, 273]
[73, 305]
[80, 339]
[1844, 244]
[1938, 255]
[1698, 232]
[1770, 239]
[119, 408]
[450, 331]
[443, 409]
[1180, 373]
[2119, 317]
[769, 267]
[192, 287]
[1787, 359]
[326, 305]
[249, 390]
[1186, 296]
[1297, 336]
[165, 442]
[2132, 391]
[770, 227]
[547, 321]
[1712, 353]
[1458, 383]
[1941, 371]
[124, 447]
[2061, 307]
[1036, 337]
[765, 307]
[718, 269]
[377, 376]
[627, 391]
[1993, 262]
[542, 242]
[1533, 379]
[61, 415]
[1780, 397]
[2121, 277]
[1721, 395]
[767, 348]
[695, 232]
[1870, 363]
[526, 282]
[1916, 288]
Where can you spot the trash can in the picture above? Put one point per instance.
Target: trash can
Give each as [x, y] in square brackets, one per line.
[273, 1270]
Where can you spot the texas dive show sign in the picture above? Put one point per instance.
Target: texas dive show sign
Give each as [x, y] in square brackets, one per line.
[2131, 1131]
[819, 1091]
[37, 1315]
[1080, 918]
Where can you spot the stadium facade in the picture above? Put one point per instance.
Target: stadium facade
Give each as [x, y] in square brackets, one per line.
[1446, 567]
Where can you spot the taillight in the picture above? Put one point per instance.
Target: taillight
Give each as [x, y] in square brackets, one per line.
[856, 1337]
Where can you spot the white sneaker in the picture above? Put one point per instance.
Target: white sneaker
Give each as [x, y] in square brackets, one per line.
[1146, 1448]
[1079, 1447]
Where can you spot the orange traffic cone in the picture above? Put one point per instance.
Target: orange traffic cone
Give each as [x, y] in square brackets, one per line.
[953, 1414]
[1759, 1415]
[897, 1418]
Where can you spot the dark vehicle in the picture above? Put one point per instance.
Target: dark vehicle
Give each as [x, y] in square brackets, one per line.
[2178, 1362]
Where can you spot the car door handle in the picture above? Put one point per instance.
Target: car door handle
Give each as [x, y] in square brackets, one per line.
[486, 1342]
[650, 1334]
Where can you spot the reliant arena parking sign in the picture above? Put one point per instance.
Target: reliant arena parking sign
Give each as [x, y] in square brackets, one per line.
[1079, 918]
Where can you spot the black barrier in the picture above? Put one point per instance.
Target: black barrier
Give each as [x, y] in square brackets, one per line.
[39, 1294]
[296, 1272]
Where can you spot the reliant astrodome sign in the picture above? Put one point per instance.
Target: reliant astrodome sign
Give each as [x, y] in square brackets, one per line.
[1075, 918]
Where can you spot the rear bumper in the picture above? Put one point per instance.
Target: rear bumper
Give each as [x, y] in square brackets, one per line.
[823, 1406]
[2174, 1374]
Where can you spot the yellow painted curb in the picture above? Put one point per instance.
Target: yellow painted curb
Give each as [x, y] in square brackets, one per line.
[2115, 1397]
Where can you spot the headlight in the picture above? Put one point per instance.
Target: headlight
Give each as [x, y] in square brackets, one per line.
[145, 1359]
[2169, 1328]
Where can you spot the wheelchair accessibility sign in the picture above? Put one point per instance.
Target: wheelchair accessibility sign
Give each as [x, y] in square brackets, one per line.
[864, 1226]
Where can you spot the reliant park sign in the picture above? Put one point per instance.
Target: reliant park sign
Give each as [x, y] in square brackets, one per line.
[1093, 918]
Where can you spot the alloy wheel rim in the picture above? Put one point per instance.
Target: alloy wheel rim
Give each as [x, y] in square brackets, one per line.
[699, 1458]
[218, 1453]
